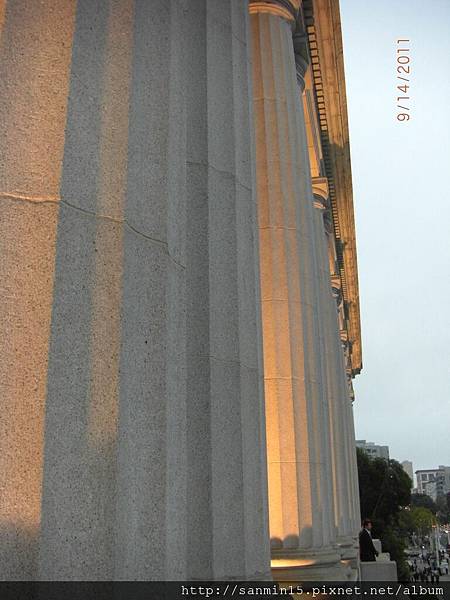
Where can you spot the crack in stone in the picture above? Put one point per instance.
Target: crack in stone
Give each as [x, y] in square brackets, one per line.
[31, 198]
[126, 224]
[229, 173]
[58, 200]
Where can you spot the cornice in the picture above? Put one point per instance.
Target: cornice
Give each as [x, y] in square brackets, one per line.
[323, 27]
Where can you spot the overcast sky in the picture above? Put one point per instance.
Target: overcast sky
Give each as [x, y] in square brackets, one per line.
[402, 199]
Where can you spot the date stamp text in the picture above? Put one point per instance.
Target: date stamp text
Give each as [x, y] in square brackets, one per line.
[403, 65]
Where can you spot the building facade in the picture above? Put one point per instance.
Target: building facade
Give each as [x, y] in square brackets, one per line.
[434, 482]
[408, 468]
[373, 450]
[180, 308]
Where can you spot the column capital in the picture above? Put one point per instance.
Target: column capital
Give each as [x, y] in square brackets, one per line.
[319, 203]
[344, 337]
[320, 193]
[322, 202]
[320, 187]
[287, 9]
[301, 52]
[336, 287]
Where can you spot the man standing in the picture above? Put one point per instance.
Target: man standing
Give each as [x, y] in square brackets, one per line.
[367, 551]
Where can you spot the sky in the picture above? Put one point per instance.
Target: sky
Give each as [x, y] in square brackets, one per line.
[401, 194]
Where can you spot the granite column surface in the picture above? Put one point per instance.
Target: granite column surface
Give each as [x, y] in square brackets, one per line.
[132, 318]
[336, 392]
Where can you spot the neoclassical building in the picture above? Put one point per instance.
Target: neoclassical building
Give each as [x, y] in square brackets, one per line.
[179, 315]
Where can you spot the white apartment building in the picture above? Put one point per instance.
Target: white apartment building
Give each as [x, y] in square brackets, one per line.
[373, 450]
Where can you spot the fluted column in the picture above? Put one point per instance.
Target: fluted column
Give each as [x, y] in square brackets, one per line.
[349, 539]
[352, 469]
[356, 510]
[142, 288]
[301, 515]
[325, 330]
[348, 394]
[348, 535]
[336, 394]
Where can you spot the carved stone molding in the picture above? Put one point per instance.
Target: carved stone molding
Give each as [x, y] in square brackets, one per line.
[322, 22]
[320, 193]
[302, 61]
[287, 9]
[320, 187]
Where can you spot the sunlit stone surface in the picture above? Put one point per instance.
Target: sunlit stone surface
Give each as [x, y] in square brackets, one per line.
[163, 267]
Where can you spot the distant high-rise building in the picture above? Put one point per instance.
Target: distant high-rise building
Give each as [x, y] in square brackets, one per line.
[445, 472]
[431, 489]
[433, 482]
[408, 468]
[373, 450]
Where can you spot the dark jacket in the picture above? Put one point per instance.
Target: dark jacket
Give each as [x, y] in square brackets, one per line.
[367, 551]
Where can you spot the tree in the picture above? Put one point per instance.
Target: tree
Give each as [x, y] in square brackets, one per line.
[406, 523]
[423, 520]
[424, 501]
[384, 489]
[443, 508]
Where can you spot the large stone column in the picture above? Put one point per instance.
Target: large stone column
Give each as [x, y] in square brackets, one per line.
[348, 395]
[301, 513]
[141, 287]
[356, 510]
[336, 394]
[349, 498]
[350, 447]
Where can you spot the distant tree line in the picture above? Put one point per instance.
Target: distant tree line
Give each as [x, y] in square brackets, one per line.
[397, 515]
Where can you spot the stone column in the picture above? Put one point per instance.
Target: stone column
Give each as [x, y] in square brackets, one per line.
[348, 535]
[356, 511]
[301, 514]
[350, 551]
[133, 312]
[348, 394]
[336, 394]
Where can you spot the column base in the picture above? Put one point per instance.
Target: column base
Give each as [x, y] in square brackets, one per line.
[349, 556]
[347, 548]
[299, 566]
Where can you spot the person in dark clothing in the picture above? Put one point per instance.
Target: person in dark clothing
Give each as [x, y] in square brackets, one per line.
[367, 550]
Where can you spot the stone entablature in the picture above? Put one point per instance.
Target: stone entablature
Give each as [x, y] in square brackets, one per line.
[328, 115]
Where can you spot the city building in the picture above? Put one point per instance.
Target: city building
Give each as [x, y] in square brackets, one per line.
[445, 473]
[373, 450]
[423, 477]
[408, 468]
[179, 307]
[433, 482]
[431, 488]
